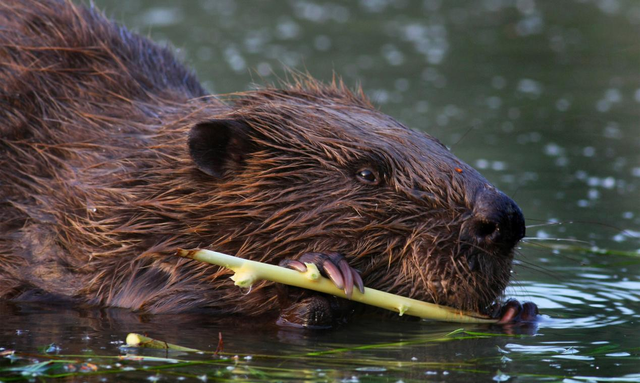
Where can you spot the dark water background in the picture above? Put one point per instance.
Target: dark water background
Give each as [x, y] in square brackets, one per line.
[542, 97]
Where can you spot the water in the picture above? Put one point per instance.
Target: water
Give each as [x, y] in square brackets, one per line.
[543, 97]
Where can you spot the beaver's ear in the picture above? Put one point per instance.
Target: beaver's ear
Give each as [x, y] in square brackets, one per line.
[218, 146]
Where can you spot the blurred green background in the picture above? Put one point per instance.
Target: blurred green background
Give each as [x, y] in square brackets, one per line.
[540, 96]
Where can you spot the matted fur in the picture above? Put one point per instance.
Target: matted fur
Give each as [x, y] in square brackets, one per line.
[97, 189]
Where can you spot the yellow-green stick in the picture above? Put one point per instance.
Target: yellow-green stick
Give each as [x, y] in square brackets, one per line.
[248, 272]
[137, 340]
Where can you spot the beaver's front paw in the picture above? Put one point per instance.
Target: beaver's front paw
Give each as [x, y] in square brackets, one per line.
[333, 266]
[309, 309]
[514, 311]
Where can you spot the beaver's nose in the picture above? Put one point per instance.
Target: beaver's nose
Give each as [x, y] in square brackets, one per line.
[496, 220]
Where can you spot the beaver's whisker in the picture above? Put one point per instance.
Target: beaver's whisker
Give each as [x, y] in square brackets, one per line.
[533, 266]
[554, 223]
[547, 239]
[596, 223]
[541, 247]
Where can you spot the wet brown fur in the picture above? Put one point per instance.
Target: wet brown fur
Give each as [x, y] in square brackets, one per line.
[97, 188]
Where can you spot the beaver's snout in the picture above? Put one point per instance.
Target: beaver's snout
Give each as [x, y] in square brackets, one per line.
[496, 222]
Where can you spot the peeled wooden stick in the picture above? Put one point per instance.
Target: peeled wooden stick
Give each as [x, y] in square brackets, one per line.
[137, 340]
[248, 272]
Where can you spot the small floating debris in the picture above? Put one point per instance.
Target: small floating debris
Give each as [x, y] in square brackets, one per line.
[141, 341]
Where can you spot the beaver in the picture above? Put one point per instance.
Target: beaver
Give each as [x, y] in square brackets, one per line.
[113, 157]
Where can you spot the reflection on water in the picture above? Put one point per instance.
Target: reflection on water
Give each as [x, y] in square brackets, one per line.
[383, 347]
[542, 97]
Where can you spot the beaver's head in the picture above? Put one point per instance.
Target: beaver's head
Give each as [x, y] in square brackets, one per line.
[317, 169]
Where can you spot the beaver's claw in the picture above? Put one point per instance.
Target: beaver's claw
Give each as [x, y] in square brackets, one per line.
[333, 266]
[514, 311]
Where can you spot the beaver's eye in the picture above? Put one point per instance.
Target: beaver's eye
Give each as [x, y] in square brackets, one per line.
[367, 176]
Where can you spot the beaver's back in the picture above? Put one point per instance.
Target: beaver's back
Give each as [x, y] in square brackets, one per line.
[79, 95]
[59, 59]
